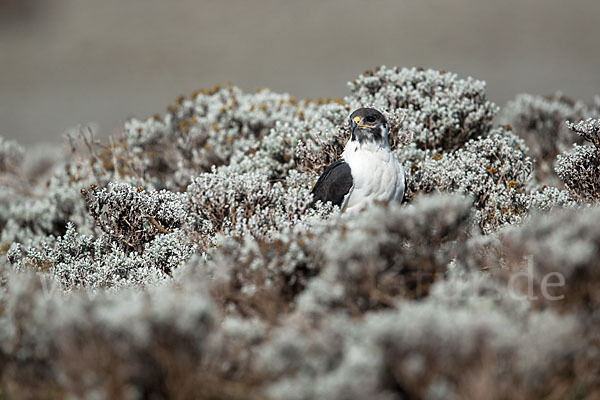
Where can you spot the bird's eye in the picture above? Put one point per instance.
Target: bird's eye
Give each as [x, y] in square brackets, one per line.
[370, 119]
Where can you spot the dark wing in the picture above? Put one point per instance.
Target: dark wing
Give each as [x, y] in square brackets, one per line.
[334, 184]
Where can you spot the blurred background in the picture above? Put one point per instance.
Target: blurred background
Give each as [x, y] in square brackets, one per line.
[70, 62]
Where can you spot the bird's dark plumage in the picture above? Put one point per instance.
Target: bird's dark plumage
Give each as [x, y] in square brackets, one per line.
[334, 184]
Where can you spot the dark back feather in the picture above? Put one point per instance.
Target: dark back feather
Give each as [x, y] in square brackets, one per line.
[334, 184]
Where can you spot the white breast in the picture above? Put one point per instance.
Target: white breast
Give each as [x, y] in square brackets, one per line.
[376, 174]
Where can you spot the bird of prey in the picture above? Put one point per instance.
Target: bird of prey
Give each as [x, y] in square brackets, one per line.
[368, 170]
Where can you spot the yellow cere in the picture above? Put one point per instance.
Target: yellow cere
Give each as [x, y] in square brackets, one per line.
[357, 120]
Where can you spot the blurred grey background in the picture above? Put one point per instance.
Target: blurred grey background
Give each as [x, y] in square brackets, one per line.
[70, 62]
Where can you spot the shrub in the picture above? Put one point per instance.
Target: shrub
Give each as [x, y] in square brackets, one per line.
[580, 168]
[443, 112]
[494, 170]
[539, 120]
[191, 266]
[132, 217]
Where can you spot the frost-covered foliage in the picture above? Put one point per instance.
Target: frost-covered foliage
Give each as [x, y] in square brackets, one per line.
[543, 242]
[79, 261]
[388, 253]
[132, 216]
[444, 112]
[29, 215]
[212, 128]
[547, 198]
[541, 122]
[493, 170]
[182, 258]
[243, 204]
[589, 130]
[414, 350]
[579, 169]
[163, 342]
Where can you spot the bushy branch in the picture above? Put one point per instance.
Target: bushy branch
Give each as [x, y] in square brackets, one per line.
[190, 265]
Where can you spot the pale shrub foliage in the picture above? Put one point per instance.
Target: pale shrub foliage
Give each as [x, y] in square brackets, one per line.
[182, 259]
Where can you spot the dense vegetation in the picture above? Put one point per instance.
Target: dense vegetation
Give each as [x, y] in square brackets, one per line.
[181, 259]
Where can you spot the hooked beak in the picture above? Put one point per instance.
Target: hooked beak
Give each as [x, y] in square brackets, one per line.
[354, 124]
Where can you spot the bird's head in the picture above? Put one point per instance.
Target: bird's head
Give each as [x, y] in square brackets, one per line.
[368, 125]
